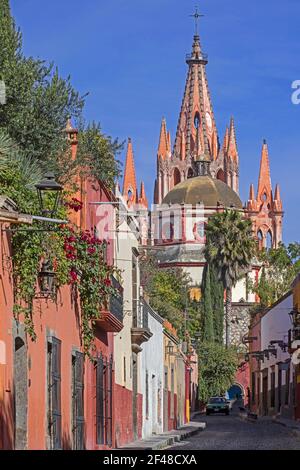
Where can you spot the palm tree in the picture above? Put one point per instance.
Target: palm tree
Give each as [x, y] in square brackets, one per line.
[230, 247]
[13, 162]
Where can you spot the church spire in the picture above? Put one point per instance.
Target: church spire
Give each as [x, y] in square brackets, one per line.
[130, 186]
[264, 190]
[196, 107]
[232, 145]
[163, 145]
[143, 201]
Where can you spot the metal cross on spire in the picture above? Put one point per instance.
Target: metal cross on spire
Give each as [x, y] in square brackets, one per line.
[196, 16]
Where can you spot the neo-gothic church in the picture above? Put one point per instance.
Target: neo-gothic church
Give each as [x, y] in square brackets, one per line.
[199, 172]
[197, 135]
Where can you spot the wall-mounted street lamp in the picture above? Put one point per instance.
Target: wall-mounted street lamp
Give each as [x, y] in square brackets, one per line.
[170, 348]
[48, 186]
[46, 279]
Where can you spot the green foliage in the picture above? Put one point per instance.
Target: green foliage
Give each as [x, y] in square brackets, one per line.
[280, 267]
[208, 333]
[230, 246]
[217, 301]
[97, 154]
[77, 257]
[168, 291]
[38, 100]
[217, 368]
[90, 274]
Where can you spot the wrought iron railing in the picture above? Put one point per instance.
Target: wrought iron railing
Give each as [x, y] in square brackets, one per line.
[116, 300]
[141, 319]
[203, 57]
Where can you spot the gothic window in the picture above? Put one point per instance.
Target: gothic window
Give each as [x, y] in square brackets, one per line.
[197, 120]
[221, 175]
[190, 173]
[176, 177]
[260, 235]
[199, 231]
[162, 185]
[269, 240]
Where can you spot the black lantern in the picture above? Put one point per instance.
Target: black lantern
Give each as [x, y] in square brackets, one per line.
[295, 317]
[170, 348]
[46, 278]
[49, 192]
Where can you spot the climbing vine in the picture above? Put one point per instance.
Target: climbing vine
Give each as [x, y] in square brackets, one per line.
[77, 258]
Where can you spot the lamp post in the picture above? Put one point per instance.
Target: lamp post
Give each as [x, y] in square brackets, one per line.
[295, 318]
[49, 192]
[170, 348]
[46, 279]
[45, 188]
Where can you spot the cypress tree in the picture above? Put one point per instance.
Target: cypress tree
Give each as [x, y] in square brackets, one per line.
[217, 300]
[207, 313]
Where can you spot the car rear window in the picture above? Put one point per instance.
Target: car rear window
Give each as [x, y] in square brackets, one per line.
[217, 400]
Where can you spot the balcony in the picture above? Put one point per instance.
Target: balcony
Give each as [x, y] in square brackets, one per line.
[140, 331]
[111, 319]
[197, 59]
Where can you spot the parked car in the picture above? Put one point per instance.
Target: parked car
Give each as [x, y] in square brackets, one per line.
[218, 405]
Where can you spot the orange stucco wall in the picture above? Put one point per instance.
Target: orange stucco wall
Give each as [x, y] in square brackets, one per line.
[62, 320]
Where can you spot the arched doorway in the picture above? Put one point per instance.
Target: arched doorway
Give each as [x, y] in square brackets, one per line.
[235, 392]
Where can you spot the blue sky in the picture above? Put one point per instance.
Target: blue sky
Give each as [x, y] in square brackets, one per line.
[130, 56]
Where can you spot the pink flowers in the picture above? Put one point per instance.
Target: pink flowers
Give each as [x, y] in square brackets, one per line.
[75, 204]
[91, 250]
[73, 277]
[107, 282]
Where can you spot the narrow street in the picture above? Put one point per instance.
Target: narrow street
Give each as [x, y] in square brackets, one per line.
[232, 433]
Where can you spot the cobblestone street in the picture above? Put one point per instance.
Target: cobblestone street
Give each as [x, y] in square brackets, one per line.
[232, 433]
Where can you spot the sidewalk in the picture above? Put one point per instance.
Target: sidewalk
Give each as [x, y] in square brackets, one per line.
[161, 441]
[292, 425]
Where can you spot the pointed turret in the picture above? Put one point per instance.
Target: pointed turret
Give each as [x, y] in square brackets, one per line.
[226, 141]
[232, 145]
[251, 206]
[72, 136]
[265, 212]
[277, 200]
[264, 190]
[196, 110]
[169, 141]
[252, 193]
[130, 186]
[143, 201]
[163, 145]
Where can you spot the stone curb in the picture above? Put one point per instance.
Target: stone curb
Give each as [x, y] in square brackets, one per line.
[161, 441]
[245, 417]
[294, 429]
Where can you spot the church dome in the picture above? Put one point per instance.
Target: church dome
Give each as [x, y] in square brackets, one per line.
[203, 189]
